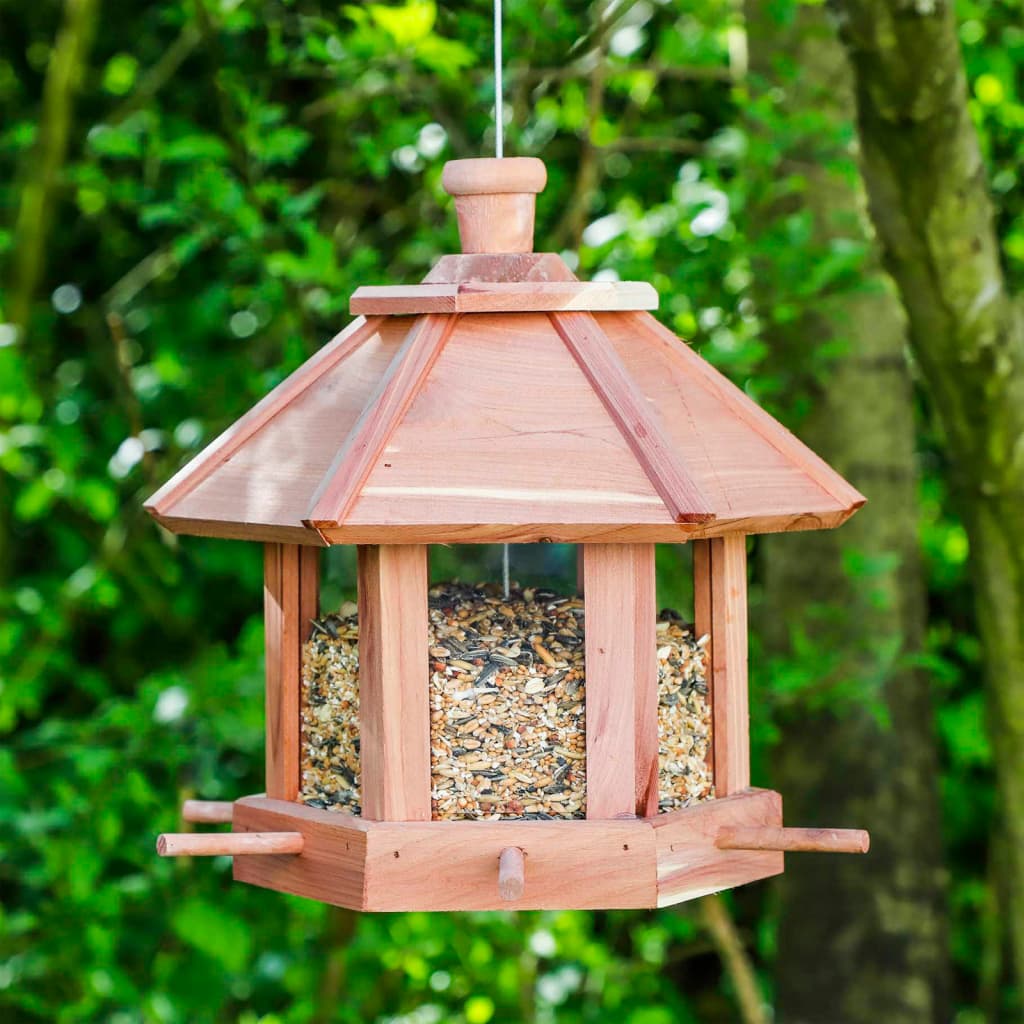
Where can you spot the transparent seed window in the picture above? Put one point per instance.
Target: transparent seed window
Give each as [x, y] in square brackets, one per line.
[507, 694]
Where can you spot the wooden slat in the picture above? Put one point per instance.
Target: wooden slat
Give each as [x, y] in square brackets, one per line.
[689, 862]
[702, 627]
[278, 678]
[291, 585]
[645, 678]
[507, 424]
[224, 446]
[394, 702]
[225, 530]
[503, 297]
[621, 667]
[454, 865]
[385, 300]
[746, 409]
[499, 533]
[730, 727]
[397, 389]
[309, 589]
[271, 478]
[546, 296]
[701, 588]
[568, 533]
[451, 865]
[331, 867]
[634, 415]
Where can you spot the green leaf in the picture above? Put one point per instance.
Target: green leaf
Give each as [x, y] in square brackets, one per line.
[190, 148]
[118, 143]
[119, 74]
[407, 24]
[214, 931]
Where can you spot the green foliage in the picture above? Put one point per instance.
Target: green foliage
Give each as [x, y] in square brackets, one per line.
[236, 169]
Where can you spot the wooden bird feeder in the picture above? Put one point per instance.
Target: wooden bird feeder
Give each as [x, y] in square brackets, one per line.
[503, 400]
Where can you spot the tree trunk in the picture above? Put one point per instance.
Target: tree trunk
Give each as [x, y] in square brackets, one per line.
[861, 939]
[930, 205]
[41, 180]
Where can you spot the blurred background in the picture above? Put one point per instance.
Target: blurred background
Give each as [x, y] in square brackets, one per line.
[190, 191]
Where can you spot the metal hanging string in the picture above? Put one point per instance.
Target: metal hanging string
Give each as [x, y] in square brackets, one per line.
[499, 119]
[499, 152]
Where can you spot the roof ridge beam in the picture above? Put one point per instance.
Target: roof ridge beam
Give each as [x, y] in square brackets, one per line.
[350, 468]
[632, 414]
[758, 419]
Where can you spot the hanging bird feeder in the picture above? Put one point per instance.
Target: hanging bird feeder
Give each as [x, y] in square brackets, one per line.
[502, 400]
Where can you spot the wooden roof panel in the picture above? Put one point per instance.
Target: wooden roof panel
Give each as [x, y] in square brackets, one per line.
[269, 479]
[506, 428]
[490, 425]
[747, 463]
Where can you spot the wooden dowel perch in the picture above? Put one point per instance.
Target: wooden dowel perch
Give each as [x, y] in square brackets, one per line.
[794, 840]
[511, 873]
[227, 844]
[210, 812]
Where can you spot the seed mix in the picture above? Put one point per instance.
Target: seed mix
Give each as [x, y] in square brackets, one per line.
[507, 707]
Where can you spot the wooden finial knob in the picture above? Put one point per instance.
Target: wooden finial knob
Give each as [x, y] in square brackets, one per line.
[495, 201]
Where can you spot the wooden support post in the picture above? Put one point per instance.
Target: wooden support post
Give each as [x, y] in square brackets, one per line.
[291, 586]
[394, 682]
[701, 588]
[802, 840]
[227, 844]
[210, 812]
[511, 873]
[720, 608]
[702, 627]
[622, 680]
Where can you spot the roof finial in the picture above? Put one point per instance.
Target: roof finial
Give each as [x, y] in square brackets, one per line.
[494, 201]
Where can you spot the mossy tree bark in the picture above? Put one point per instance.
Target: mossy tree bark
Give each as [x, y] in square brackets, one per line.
[861, 939]
[930, 204]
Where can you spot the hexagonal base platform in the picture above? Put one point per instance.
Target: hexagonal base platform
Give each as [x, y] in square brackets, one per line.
[453, 865]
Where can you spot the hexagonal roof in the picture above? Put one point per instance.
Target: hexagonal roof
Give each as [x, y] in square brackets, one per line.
[503, 400]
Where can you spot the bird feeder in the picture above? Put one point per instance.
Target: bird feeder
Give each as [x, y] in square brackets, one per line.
[504, 401]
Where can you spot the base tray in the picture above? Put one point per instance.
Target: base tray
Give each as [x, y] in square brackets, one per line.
[453, 865]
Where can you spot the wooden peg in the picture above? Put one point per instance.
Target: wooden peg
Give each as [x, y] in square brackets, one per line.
[209, 812]
[227, 844]
[794, 840]
[511, 873]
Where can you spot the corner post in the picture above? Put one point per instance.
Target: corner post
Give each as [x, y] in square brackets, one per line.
[291, 587]
[394, 682]
[622, 680]
[720, 609]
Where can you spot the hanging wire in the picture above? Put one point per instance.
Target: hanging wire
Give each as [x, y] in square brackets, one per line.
[499, 114]
[499, 152]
